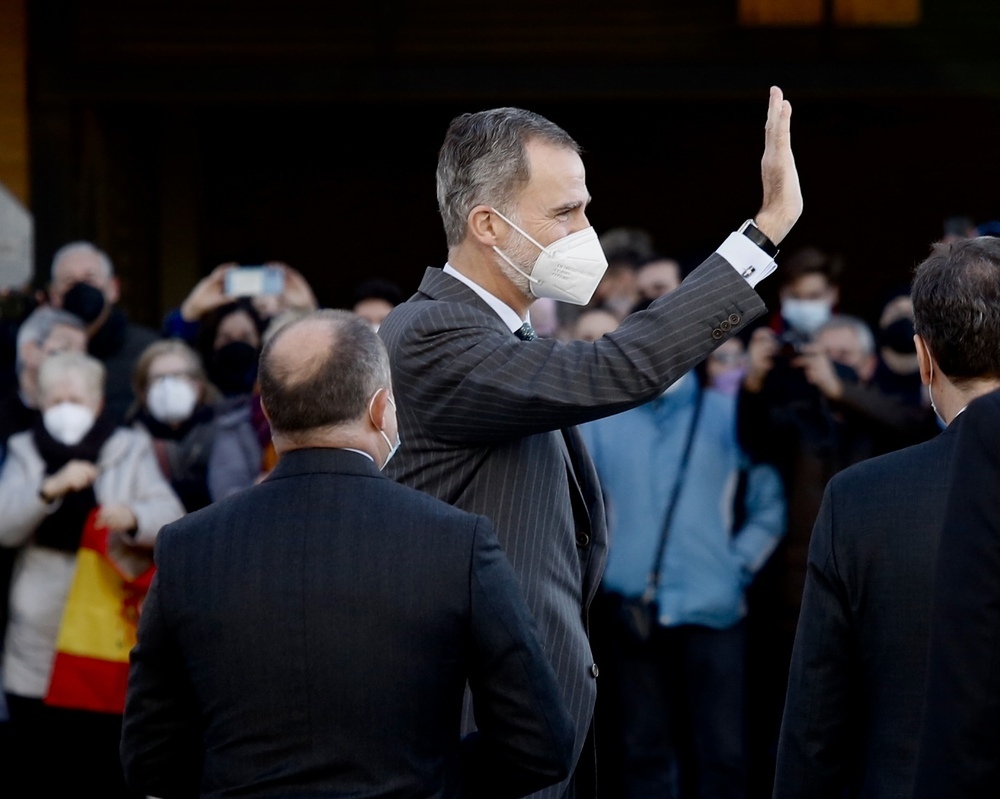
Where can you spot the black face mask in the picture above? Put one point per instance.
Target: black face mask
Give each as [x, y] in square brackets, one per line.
[846, 373]
[84, 301]
[233, 368]
[898, 337]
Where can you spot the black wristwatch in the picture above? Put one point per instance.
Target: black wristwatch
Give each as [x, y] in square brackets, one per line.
[752, 232]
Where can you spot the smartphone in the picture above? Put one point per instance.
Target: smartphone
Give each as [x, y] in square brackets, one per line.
[254, 281]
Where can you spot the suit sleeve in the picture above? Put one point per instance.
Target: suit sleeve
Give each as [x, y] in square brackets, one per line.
[960, 740]
[466, 380]
[161, 746]
[815, 743]
[525, 734]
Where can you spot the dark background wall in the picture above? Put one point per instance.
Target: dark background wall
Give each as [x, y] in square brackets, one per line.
[182, 134]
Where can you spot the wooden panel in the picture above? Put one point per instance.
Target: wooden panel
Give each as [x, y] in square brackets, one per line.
[13, 103]
[754, 13]
[876, 12]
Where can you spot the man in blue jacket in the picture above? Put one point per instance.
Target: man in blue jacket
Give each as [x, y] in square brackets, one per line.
[681, 692]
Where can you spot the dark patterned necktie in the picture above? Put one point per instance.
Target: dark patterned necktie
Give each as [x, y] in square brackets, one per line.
[526, 332]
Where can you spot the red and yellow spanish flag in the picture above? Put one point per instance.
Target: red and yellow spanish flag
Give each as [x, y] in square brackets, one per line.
[98, 626]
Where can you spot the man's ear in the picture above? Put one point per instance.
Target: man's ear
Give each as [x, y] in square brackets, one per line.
[377, 409]
[263, 410]
[481, 225]
[924, 360]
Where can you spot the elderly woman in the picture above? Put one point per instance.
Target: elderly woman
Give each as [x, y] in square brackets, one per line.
[175, 404]
[206, 445]
[74, 460]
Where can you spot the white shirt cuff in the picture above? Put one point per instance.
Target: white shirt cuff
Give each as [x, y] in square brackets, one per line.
[747, 258]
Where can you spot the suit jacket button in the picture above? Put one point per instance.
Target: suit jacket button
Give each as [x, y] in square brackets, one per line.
[734, 319]
[582, 539]
[717, 334]
[594, 671]
[724, 324]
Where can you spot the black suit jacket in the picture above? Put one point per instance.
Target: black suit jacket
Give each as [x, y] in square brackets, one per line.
[855, 688]
[960, 740]
[313, 635]
[487, 425]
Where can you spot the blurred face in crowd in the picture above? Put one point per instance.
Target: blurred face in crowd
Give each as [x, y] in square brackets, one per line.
[62, 338]
[72, 387]
[812, 286]
[842, 345]
[82, 266]
[729, 357]
[593, 324]
[173, 389]
[658, 278]
[807, 302]
[176, 366]
[373, 310]
[237, 326]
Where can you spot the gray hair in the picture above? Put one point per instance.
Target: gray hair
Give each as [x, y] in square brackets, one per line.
[38, 326]
[846, 322]
[81, 247]
[57, 366]
[331, 389]
[482, 161]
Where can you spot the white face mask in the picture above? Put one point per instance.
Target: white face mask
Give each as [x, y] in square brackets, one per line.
[393, 448]
[930, 395]
[171, 399]
[806, 316]
[68, 422]
[568, 269]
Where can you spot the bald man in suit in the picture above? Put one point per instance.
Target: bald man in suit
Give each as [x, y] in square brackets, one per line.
[312, 636]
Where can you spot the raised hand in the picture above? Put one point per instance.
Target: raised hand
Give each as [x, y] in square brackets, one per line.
[782, 204]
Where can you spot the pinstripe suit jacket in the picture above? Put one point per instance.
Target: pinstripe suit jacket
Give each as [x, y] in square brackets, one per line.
[487, 424]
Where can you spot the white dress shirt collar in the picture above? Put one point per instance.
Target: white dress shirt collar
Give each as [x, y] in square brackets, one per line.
[507, 314]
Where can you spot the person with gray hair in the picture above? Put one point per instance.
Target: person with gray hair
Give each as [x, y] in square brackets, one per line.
[488, 408]
[313, 634]
[83, 282]
[74, 468]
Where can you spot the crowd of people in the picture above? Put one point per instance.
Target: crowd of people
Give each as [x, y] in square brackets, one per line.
[602, 464]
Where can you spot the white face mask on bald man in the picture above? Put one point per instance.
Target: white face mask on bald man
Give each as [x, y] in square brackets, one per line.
[393, 448]
[568, 270]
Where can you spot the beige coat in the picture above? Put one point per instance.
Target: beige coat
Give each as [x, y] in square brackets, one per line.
[128, 475]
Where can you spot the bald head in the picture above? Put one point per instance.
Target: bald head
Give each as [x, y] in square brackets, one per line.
[320, 372]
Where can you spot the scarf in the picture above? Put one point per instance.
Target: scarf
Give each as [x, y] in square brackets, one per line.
[63, 528]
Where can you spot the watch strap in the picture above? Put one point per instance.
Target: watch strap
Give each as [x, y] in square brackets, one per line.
[754, 233]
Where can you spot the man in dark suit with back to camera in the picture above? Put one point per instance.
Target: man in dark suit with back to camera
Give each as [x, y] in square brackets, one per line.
[853, 708]
[488, 410]
[312, 635]
[960, 740]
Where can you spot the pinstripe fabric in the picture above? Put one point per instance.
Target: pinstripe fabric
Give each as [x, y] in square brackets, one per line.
[482, 417]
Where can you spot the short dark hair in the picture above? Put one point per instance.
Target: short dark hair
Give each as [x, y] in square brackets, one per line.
[956, 307]
[482, 161]
[377, 289]
[812, 261]
[336, 387]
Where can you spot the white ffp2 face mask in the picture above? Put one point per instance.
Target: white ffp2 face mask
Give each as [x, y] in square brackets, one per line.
[568, 269]
[393, 448]
[68, 422]
[171, 399]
